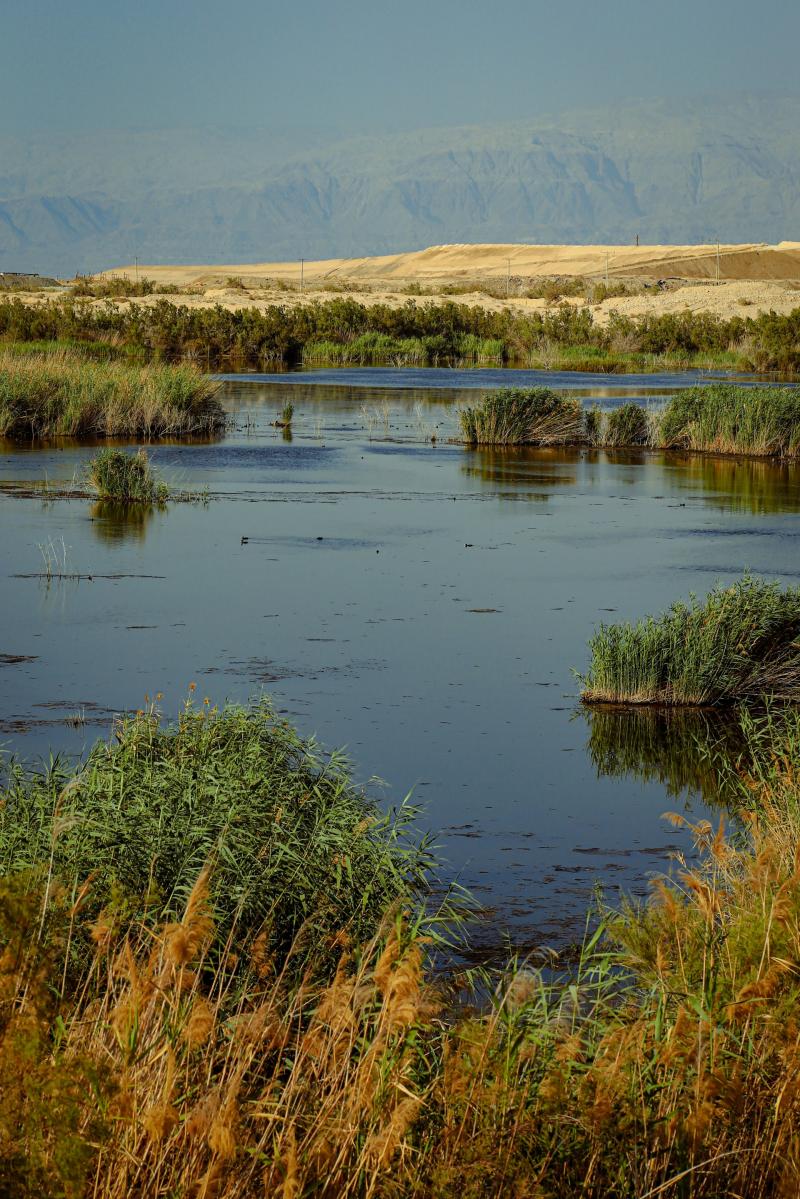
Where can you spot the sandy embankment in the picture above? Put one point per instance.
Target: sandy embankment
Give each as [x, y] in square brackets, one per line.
[753, 278]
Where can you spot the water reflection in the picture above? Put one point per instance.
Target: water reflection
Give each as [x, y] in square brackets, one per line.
[750, 485]
[689, 752]
[114, 522]
[525, 469]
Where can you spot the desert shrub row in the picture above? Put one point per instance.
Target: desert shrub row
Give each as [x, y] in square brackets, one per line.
[284, 335]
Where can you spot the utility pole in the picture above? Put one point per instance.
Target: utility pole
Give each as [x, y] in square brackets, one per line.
[136, 267]
[302, 272]
[508, 279]
[606, 268]
[717, 262]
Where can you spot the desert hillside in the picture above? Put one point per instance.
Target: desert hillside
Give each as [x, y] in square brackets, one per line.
[458, 263]
[753, 278]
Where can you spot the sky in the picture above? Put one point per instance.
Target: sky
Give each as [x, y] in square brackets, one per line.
[356, 66]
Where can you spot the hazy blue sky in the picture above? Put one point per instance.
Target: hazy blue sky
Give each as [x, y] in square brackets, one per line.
[371, 64]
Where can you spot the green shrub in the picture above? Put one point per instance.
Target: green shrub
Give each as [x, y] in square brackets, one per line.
[739, 644]
[128, 478]
[538, 416]
[626, 425]
[293, 841]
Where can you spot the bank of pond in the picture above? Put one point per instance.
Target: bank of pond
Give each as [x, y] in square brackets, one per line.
[222, 961]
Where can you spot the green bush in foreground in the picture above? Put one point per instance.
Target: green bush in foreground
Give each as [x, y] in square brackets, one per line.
[739, 644]
[128, 478]
[535, 416]
[64, 394]
[663, 1063]
[292, 840]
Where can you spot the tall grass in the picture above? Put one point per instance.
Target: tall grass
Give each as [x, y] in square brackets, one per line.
[763, 421]
[294, 843]
[739, 644]
[665, 1064]
[721, 419]
[538, 416]
[126, 478]
[626, 425]
[64, 394]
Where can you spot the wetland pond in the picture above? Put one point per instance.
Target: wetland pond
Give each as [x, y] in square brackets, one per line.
[420, 604]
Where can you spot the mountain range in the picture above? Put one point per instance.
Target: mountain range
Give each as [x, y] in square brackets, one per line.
[669, 171]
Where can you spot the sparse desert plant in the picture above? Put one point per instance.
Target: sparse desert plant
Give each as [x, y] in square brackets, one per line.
[126, 478]
[538, 416]
[740, 644]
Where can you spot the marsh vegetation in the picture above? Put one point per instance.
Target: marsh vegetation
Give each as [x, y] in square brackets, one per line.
[739, 644]
[126, 478]
[535, 416]
[718, 418]
[62, 393]
[344, 331]
[225, 1012]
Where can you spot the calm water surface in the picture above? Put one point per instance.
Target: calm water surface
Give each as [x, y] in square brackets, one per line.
[418, 603]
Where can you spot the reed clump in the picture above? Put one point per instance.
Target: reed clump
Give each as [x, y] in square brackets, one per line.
[64, 394]
[724, 419]
[739, 644]
[664, 1063]
[126, 478]
[718, 419]
[535, 416]
[626, 425]
[295, 843]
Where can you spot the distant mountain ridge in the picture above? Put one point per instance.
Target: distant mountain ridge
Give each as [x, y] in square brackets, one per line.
[669, 171]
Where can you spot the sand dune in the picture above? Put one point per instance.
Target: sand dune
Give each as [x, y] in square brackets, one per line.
[461, 262]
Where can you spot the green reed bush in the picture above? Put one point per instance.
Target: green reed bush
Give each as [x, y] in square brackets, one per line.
[739, 644]
[726, 419]
[293, 841]
[64, 394]
[126, 478]
[565, 336]
[627, 425]
[538, 416]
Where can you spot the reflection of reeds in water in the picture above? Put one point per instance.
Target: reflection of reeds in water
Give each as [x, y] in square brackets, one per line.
[523, 472]
[113, 521]
[687, 751]
[745, 484]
